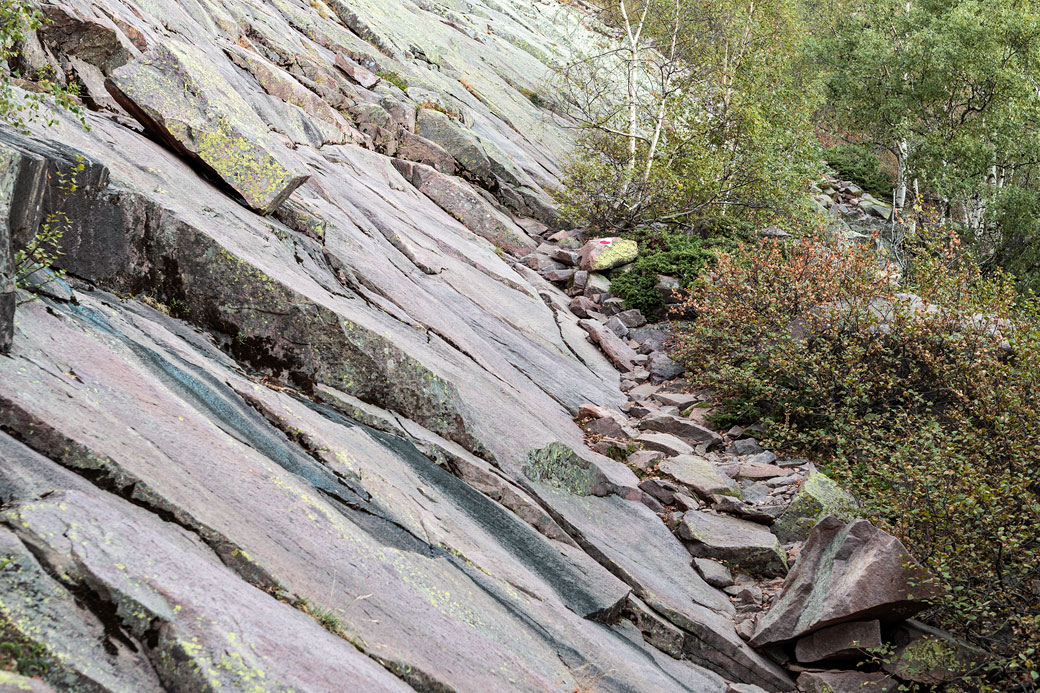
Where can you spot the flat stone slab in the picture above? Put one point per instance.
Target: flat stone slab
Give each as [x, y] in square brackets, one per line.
[684, 428]
[739, 543]
[843, 641]
[846, 682]
[698, 475]
[176, 92]
[663, 442]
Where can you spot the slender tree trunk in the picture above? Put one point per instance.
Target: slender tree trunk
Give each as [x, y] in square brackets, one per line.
[634, 55]
[662, 109]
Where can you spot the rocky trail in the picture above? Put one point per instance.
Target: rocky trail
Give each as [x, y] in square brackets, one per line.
[327, 400]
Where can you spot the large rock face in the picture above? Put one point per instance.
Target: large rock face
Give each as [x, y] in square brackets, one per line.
[306, 422]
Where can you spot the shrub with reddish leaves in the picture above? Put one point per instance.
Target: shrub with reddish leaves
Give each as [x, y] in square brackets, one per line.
[920, 394]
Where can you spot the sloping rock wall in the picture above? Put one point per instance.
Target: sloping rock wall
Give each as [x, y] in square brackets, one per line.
[274, 436]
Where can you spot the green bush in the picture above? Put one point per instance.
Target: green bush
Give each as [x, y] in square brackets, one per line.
[859, 164]
[925, 408]
[681, 255]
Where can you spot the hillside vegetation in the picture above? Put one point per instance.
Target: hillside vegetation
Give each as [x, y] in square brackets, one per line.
[902, 356]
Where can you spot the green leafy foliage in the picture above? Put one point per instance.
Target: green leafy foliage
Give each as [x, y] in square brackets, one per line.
[20, 655]
[681, 255]
[923, 404]
[859, 164]
[17, 19]
[728, 133]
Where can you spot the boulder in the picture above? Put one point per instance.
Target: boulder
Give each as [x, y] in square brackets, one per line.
[663, 367]
[176, 93]
[602, 254]
[713, 572]
[558, 466]
[698, 475]
[739, 543]
[684, 428]
[643, 459]
[597, 285]
[733, 506]
[846, 572]
[567, 257]
[617, 327]
[845, 682]
[613, 306]
[745, 446]
[843, 641]
[619, 353]
[558, 276]
[632, 318]
[659, 489]
[817, 498]
[651, 338]
[663, 442]
[582, 307]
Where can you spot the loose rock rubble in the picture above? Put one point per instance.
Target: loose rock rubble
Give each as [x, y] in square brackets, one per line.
[813, 588]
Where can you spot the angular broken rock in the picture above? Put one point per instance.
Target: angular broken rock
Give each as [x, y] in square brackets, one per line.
[846, 682]
[663, 368]
[713, 572]
[602, 254]
[682, 400]
[818, 497]
[751, 470]
[619, 353]
[357, 73]
[559, 466]
[734, 506]
[739, 543]
[684, 428]
[846, 572]
[746, 446]
[176, 92]
[843, 641]
[663, 442]
[698, 475]
[632, 318]
[642, 459]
